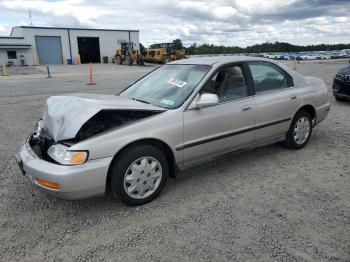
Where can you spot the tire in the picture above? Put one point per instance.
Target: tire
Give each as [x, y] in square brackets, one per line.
[130, 60]
[130, 161]
[118, 60]
[141, 60]
[165, 60]
[298, 139]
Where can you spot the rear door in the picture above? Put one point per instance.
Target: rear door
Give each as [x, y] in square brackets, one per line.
[226, 126]
[276, 100]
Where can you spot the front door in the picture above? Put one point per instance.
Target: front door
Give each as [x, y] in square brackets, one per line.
[226, 126]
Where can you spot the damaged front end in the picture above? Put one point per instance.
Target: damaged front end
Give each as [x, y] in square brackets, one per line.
[40, 141]
[109, 119]
[69, 120]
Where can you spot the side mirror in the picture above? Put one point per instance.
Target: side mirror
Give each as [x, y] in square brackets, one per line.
[206, 100]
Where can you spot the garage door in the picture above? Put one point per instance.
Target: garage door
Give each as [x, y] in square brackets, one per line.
[49, 49]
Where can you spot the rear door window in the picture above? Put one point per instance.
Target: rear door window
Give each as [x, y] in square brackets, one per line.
[269, 77]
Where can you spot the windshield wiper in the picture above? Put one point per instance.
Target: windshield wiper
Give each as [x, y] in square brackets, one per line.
[140, 100]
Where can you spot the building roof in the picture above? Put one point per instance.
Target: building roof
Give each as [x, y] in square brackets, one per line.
[73, 28]
[210, 60]
[11, 37]
[14, 46]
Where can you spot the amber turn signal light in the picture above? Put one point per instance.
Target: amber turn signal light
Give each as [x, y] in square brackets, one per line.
[78, 157]
[48, 184]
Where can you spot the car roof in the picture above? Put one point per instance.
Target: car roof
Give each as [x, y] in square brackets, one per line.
[211, 60]
[217, 61]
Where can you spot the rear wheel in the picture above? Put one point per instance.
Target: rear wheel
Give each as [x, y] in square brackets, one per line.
[141, 60]
[300, 131]
[166, 59]
[138, 174]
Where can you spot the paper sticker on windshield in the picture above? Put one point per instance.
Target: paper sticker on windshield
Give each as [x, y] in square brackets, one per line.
[167, 102]
[176, 82]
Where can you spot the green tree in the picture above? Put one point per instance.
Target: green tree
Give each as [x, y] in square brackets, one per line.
[267, 47]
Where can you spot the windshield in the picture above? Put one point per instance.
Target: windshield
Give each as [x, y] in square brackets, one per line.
[168, 86]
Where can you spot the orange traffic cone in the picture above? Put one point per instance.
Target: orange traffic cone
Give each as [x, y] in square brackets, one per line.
[90, 80]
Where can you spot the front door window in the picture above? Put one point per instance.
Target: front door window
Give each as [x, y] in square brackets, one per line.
[228, 83]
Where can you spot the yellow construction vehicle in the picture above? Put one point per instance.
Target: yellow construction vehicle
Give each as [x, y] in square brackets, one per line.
[163, 53]
[128, 55]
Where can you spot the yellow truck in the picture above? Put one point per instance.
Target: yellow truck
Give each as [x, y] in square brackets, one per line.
[163, 53]
[128, 55]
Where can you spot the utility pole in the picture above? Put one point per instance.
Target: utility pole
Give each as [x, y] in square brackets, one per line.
[30, 17]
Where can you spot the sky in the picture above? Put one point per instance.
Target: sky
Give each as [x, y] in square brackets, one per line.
[220, 22]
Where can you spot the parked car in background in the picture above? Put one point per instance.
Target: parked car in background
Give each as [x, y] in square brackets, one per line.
[308, 57]
[183, 113]
[341, 84]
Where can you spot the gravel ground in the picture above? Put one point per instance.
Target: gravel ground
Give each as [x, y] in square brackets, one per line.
[267, 204]
[25, 70]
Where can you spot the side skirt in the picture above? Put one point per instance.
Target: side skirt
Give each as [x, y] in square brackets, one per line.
[205, 160]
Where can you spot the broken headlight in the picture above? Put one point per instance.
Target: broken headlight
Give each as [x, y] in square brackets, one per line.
[62, 155]
[37, 129]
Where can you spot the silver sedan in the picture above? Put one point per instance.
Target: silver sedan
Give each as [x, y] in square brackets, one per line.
[179, 115]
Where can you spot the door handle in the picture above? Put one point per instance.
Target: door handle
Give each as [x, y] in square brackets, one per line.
[248, 108]
[293, 97]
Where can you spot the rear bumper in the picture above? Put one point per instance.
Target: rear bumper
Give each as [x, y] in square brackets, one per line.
[76, 182]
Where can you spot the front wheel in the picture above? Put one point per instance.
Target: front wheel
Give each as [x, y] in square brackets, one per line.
[138, 174]
[118, 59]
[130, 60]
[300, 131]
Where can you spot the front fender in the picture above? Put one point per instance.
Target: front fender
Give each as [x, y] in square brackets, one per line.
[166, 127]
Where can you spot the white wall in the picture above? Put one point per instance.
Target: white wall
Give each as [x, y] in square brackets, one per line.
[4, 58]
[12, 40]
[20, 51]
[109, 40]
[30, 33]
[16, 31]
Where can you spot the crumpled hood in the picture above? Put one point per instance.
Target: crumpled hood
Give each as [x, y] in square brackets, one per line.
[63, 116]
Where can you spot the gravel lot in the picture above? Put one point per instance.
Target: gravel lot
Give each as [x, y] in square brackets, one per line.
[267, 204]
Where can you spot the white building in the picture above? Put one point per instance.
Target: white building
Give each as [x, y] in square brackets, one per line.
[57, 45]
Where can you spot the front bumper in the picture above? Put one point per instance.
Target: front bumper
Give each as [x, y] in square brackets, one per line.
[76, 182]
[341, 88]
